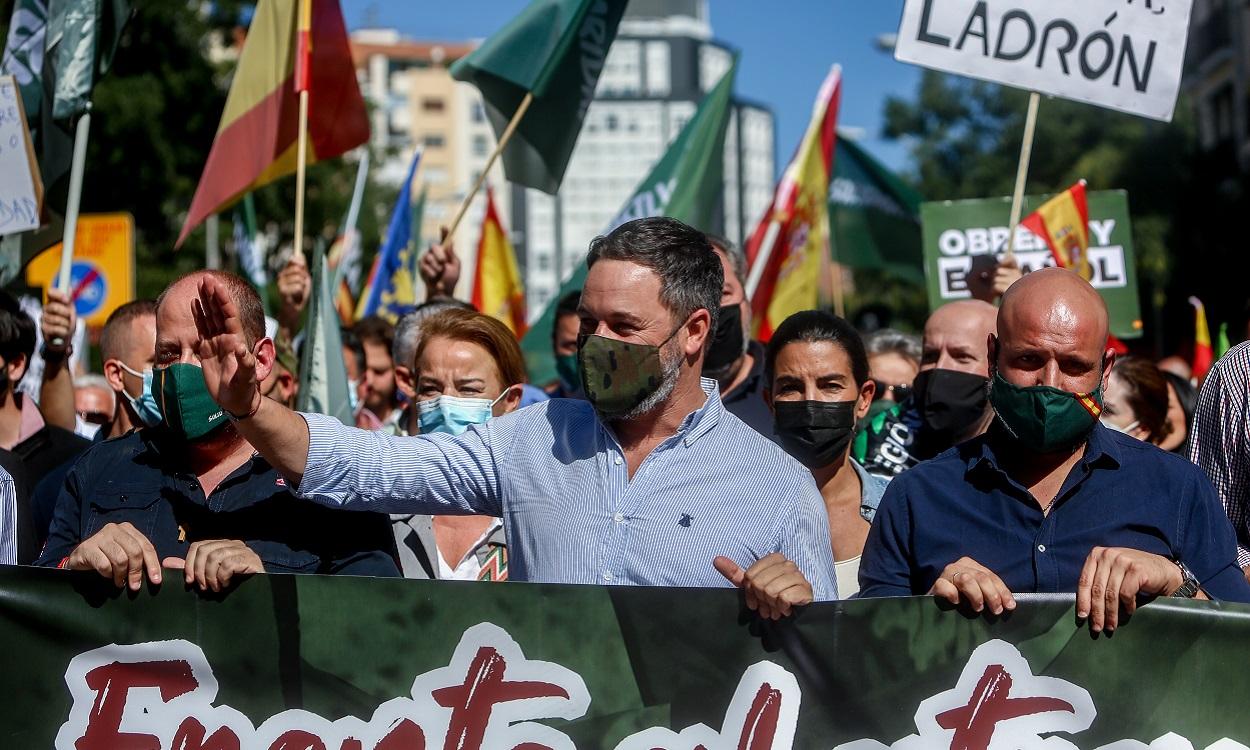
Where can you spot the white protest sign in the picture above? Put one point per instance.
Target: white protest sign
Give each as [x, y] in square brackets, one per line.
[1120, 54]
[21, 189]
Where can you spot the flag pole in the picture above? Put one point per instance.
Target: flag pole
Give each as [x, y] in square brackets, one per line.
[303, 76]
[70, 232]
[761, 260]
[1022, 172]
[481, 178]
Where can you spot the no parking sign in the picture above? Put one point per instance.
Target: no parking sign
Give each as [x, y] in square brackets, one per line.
[102, 277]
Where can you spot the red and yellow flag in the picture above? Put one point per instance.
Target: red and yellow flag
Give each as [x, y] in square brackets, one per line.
[1204, 355]
[1063, 224]
[257, 138]
[793, 237]
[497, 288]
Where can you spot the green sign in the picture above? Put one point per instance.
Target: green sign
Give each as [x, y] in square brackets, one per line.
[301, 662]
[957, 232]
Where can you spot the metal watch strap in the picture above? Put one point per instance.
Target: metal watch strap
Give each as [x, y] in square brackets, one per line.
[1189, 587]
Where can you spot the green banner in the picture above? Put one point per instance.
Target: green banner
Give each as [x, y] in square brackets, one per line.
[956, 232]
[287, 662]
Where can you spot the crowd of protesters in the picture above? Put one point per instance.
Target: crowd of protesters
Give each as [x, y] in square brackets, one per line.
[1006, 450]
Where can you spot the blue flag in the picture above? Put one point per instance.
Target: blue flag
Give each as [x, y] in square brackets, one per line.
[392, 291]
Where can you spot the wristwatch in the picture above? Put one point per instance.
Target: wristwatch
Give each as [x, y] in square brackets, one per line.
[1189, 587]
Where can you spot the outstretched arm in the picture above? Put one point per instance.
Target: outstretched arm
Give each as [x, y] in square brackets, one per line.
[276, 432]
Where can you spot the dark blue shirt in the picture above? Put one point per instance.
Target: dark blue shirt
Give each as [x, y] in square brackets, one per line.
[139, 478]
[1122, 493]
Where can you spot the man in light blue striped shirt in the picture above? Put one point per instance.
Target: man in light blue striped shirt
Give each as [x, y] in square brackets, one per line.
[647, 483]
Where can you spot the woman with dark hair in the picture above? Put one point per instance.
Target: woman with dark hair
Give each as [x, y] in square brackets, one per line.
[818, 388]
[1182, 397]
[1135, 401]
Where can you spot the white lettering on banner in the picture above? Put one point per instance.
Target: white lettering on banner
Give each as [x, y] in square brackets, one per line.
[653, 202]
[1120, 54]
[1107, 263]
[160, 696]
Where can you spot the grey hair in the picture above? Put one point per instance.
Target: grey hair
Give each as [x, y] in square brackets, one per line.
[737, 257]
[92, 380]
[890, 341]
[691, 276]
[408, 330]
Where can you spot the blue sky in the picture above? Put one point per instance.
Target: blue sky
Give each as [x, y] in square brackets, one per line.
[787, 47]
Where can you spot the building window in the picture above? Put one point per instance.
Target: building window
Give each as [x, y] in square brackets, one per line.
[543, 262]
[434, 140]
[477, 112]
[430, 104]
[611, 123]
[481, 146]
[434, 175]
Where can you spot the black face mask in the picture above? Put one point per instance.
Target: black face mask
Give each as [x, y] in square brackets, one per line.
[950, 405]
[814, 432]
[728, 343]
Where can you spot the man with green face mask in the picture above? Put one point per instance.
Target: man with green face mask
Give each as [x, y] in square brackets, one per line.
[651, 481]
[190, 493]
[1049, 500]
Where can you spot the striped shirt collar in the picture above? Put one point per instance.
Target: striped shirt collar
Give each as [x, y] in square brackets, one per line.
[696, 424]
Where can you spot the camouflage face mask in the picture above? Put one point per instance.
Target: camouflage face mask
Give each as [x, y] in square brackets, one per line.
[617, 376]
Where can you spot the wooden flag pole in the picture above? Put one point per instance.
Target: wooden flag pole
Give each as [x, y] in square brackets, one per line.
[301, 168]
[70, 232]
[1022, 173]
[481, 178]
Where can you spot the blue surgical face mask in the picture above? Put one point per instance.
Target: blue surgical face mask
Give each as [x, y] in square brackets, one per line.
[453, 415]
[145, 405]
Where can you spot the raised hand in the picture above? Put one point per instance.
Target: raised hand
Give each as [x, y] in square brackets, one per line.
[440, 268]
[58, 321]
[294, 287]
[229, 365]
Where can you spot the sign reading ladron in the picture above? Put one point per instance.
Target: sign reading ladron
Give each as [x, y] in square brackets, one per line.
[320, 663]
[956, 232]
[1122, 54]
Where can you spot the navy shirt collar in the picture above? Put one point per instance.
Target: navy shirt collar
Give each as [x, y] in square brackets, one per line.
[1101, 450]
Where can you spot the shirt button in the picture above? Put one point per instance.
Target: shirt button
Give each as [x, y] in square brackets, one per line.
[619, 518]
[617, 461]
[607, 575]
[1041, 548]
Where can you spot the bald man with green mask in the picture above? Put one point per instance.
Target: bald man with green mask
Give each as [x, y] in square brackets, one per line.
[1049, 500]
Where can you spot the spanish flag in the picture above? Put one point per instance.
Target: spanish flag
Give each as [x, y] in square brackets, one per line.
[497, 288]
[290, 44]
[793, 237]
[1063, 224]
[1204, 355]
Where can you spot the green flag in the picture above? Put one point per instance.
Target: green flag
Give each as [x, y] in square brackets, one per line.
[323, 385]
[686, 184]
[555, 49]
[23, 51]
[82, 36]
[874, 217]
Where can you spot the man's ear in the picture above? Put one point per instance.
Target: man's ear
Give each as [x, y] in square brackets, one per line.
[1108, 362]
[17, 368]
[266, 354]
[698, 329]
[113, 374]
